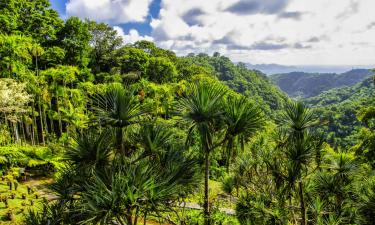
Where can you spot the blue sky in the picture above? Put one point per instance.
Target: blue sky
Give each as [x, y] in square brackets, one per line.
[143, 28]
[288, 32]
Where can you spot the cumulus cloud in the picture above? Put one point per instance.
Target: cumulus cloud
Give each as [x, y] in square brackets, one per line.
[257, 31]
[351, 9]
[371, 25]
[244, 7]
[291, 15]
[191, 17]
[269, 31]
[132, 36]
[110, 11]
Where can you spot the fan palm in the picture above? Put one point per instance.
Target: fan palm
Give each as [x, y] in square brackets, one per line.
[91, 150]
[131, 187]
[154, 138]
[118, 108]
[52, 214]
[202, 107]
[342, 169]
[243, 120]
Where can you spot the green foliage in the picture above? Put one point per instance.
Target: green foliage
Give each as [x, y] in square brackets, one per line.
[75, 37]
[33, 18]
[134, 60]
[104, 41]
[250, 83]
[133, 128]
[28, 156]
[339, 108]
[161, 70]
[252, 210]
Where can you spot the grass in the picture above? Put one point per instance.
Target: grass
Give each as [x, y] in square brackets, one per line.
[18, 206]
[216, 195]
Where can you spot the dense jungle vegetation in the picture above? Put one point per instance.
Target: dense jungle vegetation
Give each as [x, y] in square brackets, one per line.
[130, 134]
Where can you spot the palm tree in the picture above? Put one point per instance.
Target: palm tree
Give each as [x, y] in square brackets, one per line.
[243, 120]
[154, 139]
[202, 108]
[299, 146]
[336, 182]
[90, 151]
[131, 187]
[118, 108]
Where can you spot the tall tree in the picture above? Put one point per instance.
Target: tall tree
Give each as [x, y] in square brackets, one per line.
[33, 18]
[243, 120]
[13, 103]
[202, 107]
[300, 147]
[118, 108]
[74, 38]
[104, 42]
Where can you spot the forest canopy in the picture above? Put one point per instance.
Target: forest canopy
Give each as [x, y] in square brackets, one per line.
[131, 132]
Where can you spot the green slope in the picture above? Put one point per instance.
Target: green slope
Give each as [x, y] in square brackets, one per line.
[300, 84]
[248, 82]
[340, 107]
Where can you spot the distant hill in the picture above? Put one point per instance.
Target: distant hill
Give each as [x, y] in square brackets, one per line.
[304, 85]
[271, 69]
[239, 78]
[339, 107]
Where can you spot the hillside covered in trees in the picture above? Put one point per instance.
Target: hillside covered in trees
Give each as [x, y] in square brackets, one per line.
[131, 133]
[341, 106]
[300, 84]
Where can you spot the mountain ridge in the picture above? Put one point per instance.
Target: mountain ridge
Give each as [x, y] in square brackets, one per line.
[273, 68]
[305, 85]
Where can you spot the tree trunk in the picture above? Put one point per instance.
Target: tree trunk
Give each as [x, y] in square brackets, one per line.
[60, 122]
[302, 204]
[6, 127]
[145, 218]
[136, 215]
[45, 122]
[129, 219]
[206, 207]
[35, 126]
[41, 121]
[16, 135]
[22, 128]
[120, 144]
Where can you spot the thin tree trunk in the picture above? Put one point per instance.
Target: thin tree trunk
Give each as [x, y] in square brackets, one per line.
[120, 144]
[136, 215]
[16, 136]
[35, 126]
[129, 218]
[58, 111]
[145, 218]
[207, 218]
[292, 210]
[6, 126]
[45, 121]
[302, 204]
[32, 127]
[41, 121]
[22, 126]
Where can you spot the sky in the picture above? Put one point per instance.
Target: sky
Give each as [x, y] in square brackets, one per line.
[287, 32]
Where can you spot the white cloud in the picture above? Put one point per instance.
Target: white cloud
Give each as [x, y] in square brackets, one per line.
[132, 36]
[323, 32]
[110, 11]
[294, 32]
